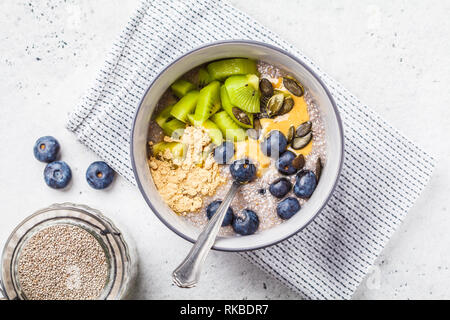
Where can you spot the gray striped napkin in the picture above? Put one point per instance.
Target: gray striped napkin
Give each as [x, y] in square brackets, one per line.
[383, 174]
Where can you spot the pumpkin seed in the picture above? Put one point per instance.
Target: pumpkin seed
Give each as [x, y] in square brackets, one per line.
[299, 162]
[263, 102]
[241, 116]
[255, 133]
[301, 142]
[266, 87]
[274, 105]
[290, 134]
[293, 86]
[288, 104]
[303, 129]
[318, 168]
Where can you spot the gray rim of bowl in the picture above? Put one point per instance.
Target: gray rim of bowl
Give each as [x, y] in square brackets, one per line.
[257, 43]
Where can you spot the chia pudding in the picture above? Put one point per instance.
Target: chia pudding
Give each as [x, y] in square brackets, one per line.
[229, 110]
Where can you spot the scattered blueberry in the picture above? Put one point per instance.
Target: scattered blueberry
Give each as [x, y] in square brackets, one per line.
[243, 170]
[247, 223]
[287, 208]
[280, 187]
[99, 175]
[57, 174]
[212, 208]
[305, 184]
[274, 145]
[284, 163]
[224, 152]
[262, 191]
[46, 149]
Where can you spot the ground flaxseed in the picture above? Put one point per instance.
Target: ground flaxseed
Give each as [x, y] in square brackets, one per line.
[62, 262]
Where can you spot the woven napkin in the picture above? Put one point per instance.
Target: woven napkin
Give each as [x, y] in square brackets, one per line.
[383, 172]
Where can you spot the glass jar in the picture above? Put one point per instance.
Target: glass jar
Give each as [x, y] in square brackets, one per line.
[121, 258]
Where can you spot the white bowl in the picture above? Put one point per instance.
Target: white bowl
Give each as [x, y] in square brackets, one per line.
[274, 56]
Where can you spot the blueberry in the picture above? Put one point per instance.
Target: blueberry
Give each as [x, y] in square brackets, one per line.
[99, 175]
[284, 163]
[274, 145]
[46, 149]
[280, 187]
[247, 223]
[212, 208]
[287, 208]
[305, 184]
[57, 174]
[262, 191]
[224, 152]
[243, 170]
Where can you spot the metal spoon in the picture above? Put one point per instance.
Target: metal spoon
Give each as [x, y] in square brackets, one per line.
[188, 272]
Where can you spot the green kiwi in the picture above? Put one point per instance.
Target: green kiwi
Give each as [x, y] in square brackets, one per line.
[163, 116]
[230, 129]
[181, 87]
[213, 131]
[208, 101]
[222, 69]
[177, 149]
[242, 118]
[174, 128]
[185, 106]
[192, 120]
[203, 78]
[244, 92]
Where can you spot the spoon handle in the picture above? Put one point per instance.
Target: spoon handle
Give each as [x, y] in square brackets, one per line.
[188, 272]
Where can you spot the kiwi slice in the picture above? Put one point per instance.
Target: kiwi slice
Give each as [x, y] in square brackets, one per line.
[230, 129]
[185, 106]
[242, 118]
[177, 149]
[192, 120]
[244, 92]
[163, 116]
[219, 70]
[181, 87]
[213, 130]
[203, 78]
[208, 101]
[174, 128]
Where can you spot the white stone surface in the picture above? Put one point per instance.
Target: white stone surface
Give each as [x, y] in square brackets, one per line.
[393, 55]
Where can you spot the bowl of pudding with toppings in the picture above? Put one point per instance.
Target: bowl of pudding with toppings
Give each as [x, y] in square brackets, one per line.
[227, 106]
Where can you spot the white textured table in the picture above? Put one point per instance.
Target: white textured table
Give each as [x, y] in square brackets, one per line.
[395, 56]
